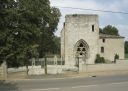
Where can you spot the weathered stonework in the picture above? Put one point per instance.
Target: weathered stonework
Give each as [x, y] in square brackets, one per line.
[80, 40]
[113, 45]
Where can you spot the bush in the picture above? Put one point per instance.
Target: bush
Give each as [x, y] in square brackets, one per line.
[99, 59]
[116, 57]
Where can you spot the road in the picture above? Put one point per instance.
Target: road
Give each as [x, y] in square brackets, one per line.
[98, 83]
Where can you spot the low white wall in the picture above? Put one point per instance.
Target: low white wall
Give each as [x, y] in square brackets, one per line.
[121, 61]
[51, 69]
[19, 69]
[104, 67]
[37, 70]
[59, 69]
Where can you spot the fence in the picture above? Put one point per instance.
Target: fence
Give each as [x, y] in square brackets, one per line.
[54, 65]
[49, 61]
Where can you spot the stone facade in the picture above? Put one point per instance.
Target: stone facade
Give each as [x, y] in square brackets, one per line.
[112, 45]
[80, 40]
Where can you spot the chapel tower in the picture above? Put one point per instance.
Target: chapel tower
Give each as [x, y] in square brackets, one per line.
[79, 39]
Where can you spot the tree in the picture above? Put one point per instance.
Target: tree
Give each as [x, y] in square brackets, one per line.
[24, 25]
[126, 47]
[47, 43]
[17, 31]
[8, 20]
[56, 45]
[41, 20]
[109, 29]
[100, 30]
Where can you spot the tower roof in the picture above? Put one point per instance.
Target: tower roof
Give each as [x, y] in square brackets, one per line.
[109, 36]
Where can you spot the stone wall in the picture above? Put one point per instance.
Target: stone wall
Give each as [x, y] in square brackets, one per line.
[119, 66]
[122, 61]
[51, 69]
[112, 46]
[85, 68]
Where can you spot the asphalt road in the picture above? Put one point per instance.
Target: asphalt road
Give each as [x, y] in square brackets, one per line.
[100, 83]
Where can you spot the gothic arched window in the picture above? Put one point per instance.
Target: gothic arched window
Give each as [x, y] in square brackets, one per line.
[82, 48]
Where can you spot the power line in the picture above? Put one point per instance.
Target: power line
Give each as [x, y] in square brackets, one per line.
[94, 10]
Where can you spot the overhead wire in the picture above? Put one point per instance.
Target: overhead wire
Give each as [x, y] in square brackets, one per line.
[121, 12]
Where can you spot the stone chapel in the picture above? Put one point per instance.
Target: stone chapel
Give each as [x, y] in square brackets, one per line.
[80, 39]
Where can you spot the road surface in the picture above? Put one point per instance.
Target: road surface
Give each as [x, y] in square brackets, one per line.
[98, 83]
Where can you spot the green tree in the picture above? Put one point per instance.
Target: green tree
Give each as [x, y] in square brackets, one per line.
[25, 26]
[100, 30]
[8, 22]
[126, 47]
[109, 29]
[56, 45]
[39, 21]
[47, 43]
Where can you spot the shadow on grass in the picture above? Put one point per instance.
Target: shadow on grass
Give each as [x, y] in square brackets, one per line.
[8, 86]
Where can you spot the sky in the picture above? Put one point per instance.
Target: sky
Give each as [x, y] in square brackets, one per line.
[118, 20]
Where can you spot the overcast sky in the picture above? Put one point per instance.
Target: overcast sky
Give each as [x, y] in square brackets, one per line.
[116, 19]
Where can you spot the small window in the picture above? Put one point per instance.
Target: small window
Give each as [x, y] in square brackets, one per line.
[81, 53]
[81, 45]
[102, 49]
[83, 49]
[64, 24]
[92, 28]
[103, 40]
[78, 49]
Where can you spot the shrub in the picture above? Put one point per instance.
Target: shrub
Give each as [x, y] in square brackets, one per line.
[99, 59]
[116, 57]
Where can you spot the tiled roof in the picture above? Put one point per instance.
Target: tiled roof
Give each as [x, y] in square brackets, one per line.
[109, 36]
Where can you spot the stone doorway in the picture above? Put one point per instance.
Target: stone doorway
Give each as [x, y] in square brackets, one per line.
[81, 52]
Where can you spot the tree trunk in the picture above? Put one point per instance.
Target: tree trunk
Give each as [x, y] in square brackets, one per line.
[45, 65]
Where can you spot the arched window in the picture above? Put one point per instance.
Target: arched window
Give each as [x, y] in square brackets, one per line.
[81, 45]
[81, 48]
[103, 40]
[102, 49]
[92, 28]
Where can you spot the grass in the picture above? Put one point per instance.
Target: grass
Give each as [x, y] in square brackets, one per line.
[126, 56]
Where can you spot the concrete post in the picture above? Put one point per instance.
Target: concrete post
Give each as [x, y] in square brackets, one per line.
[55, 60]
[4, 66]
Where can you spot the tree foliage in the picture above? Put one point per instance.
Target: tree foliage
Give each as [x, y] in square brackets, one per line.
[26, 29]
[109, 29]
[56, 45]
[8, 18]
[126, 47]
